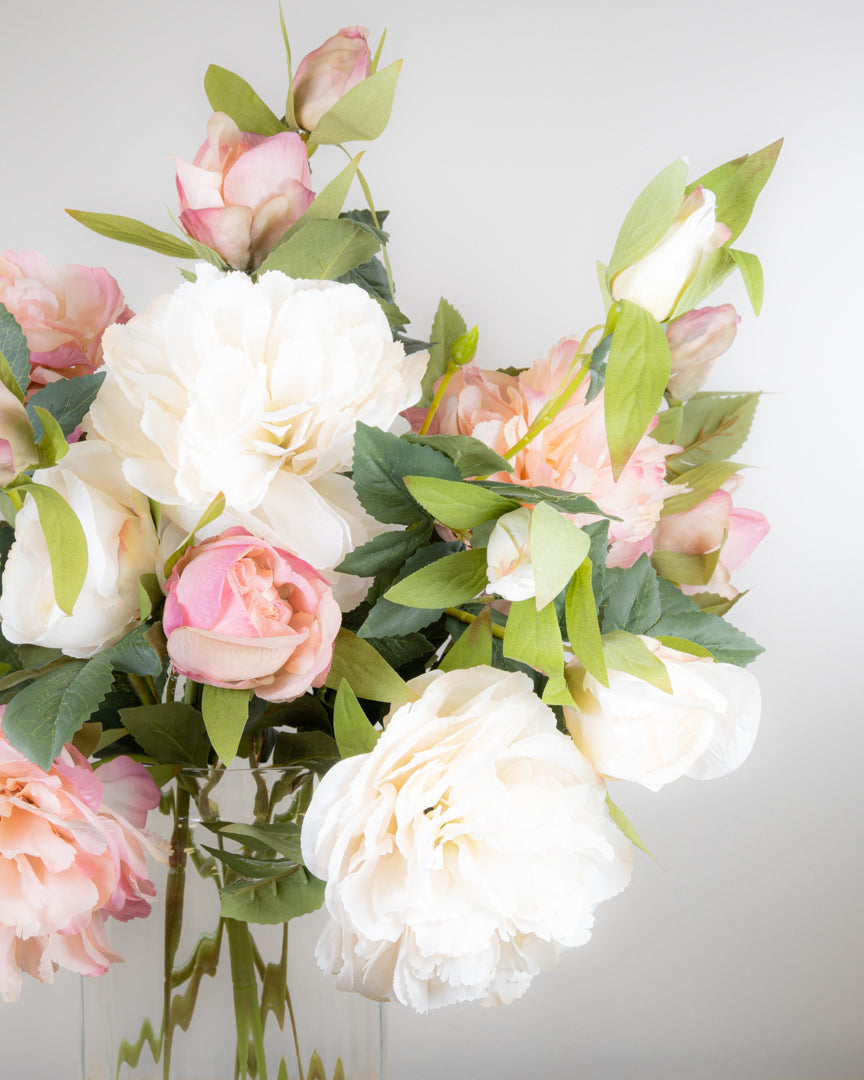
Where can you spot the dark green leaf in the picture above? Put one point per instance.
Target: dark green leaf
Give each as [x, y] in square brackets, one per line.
[565, 501]
[683, 618]
[67, 400]
[470, 456]
[389, 549]
[314, 751]
[13, 349]
[133, 653]
[172, 733]
[631, 598]
[30, 721]
[389, 619]
[273, 900]
[277, 836]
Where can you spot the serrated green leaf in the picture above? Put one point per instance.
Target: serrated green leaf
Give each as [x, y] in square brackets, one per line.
[712, 427]
[67, 400]
[737, 185]
[534, 637]
[685, 569]
[668, 428]
[225, 713]
[650, 216]
[66, 542]
[754, 279]
[389, 549]
[683, 618]
[565, 501]
[583, 629]
[277, 836]
[447, 326]
[473, 647]
[367, 672]
[448, 582]
[631, 598]
[388, 619]
[354, 734]
[14, 354]
[172, 733]
[247, 866]
[129, 231]
[230, 94]
[283, 896]
[134, 653]
[456, 504]
[323, 249]
[628, 653]
[362, 113]
[30, 720]
[470, 456]
[637, 372]
[557, 548]
[703, 480]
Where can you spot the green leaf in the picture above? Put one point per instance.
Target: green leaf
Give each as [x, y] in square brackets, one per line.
[67, 400]
[650, 216]
[703, 480]
[323, 249]
[14, 354]
[470, 456]
[30, 721]
[134, 653]
[210, 514]
[149, 595]
[52, 446]
[668, 427]
[328, 203]
[712, 427]
[230, 94]
[292, 892]
[565, 501]
[225, 713]
[682, 645]
[473, 647]
[637, 372]
[448, 582]
[751, 272]
[172, 733]
[400, 651]
[534, 637]
[385, 551]
[279, 836]
[290, 119]
[447, 326]
[354, 734]
[685, 569]
[631, 598]
[247, 866]
[557, 548]
[628, 653]
[626, 826]
[362, 113]
[67, 545]
[714, 271]
[367, 672]
[312, 751]
[129, 231]
[456, 504]
[737, 185]
[682, 618]
[388, 619]
[583, 629]
[381, 461]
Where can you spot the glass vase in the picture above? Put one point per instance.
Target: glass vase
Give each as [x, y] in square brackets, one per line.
[204, 997]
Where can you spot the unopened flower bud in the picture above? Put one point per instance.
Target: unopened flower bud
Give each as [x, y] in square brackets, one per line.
[695, 342]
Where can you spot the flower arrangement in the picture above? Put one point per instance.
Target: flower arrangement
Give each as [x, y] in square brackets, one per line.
[259, 522]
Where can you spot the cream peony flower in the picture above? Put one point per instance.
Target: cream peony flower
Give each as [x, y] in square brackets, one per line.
[465, 851]
[121, 545]
[704, 729]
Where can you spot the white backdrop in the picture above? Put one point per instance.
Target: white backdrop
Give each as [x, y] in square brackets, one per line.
[520, 136]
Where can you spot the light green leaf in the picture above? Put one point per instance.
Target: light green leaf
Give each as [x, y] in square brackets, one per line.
[473, 647]
[389, 620]
[14, 355]
[628, 653]
[712, 427]
[450, 581]
[328, 203]
[650, 216]
[362, 113]
[67, 544]
[557, 692]
[703, 481]
[714, 271]
[230, 94]
[751, 272]
[534, 637]
[683, 645]
[668, 428]
[583, 629]
[210, 514]
[447, 326]
[737, 185]
[458, 505]
[354, 734]
[290, 119]
[129, 231]
[685, 569]
[626, 826]
[52, 446]
[367, 672]
[557, 548]
[637, 372]
[323, 249]
[225, 714]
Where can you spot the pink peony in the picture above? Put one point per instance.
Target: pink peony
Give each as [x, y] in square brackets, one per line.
[243, 614]
[329, 72]
[63, 311]
[714, 524]
[572, 452]
[695, 342]
[243, 191]
[71, 854]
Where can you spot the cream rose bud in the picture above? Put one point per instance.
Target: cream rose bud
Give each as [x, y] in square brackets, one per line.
[657, 280]
[121, 545]
[695, 342]
[465, 850]
[704, 729]
[508, 556]
[17, 448]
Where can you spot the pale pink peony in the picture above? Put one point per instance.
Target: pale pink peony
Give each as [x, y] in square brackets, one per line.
[243, 191]
[244, 614]
[695, 342]
[714, 523]
[327, 73]
[572, 452]
[63, 311]
[71, 855]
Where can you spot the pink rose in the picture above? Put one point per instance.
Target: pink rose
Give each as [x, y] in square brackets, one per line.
[244, 614]
[714, 524]
[243, 191]
[329, 72]
[572, 452]
[63, 311]
[695, 342]
[71, 854]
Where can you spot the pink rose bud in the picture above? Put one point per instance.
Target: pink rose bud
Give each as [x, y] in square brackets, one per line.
[327, 74]
[17, 448]
[245, 615]
[695, 342]
[243, 191]
[657, 280]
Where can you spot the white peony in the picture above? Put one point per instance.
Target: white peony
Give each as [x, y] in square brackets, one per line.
[465, 851]
[704, 729]
[509, 569]
[121, 545]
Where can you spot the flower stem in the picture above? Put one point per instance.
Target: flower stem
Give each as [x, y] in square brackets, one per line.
[143, 690]
[439, 394]
[174, 893]
[467, 617]
[247, 1012]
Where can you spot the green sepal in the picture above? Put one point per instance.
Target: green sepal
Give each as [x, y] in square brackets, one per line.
[66, 542]
[367, 672]
[448, 582]
[649, 218]
[534, 637]
[129, 231]
[354, 734]
[627, 653]
[583, 629]
[323, 249]
[473, 647]
[455, 504]
[557, 548]
[230, 94]
[149, 595]
[754, 279]
[362, 113]
[225, 713]
[14, 355]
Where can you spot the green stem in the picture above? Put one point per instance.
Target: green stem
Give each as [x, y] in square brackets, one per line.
[247, 1011]
[452, 368]
[143, 690]
[467, 617]
[174, 892]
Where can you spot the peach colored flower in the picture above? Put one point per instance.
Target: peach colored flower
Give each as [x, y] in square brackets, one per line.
[72, 845]
[63, 311]
[243, 191]
[327, 73]
[571, 453]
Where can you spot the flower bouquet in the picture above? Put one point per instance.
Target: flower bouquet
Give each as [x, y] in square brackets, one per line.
[428, 610]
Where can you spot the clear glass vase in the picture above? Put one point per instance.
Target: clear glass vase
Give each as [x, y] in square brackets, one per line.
[203, 997]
